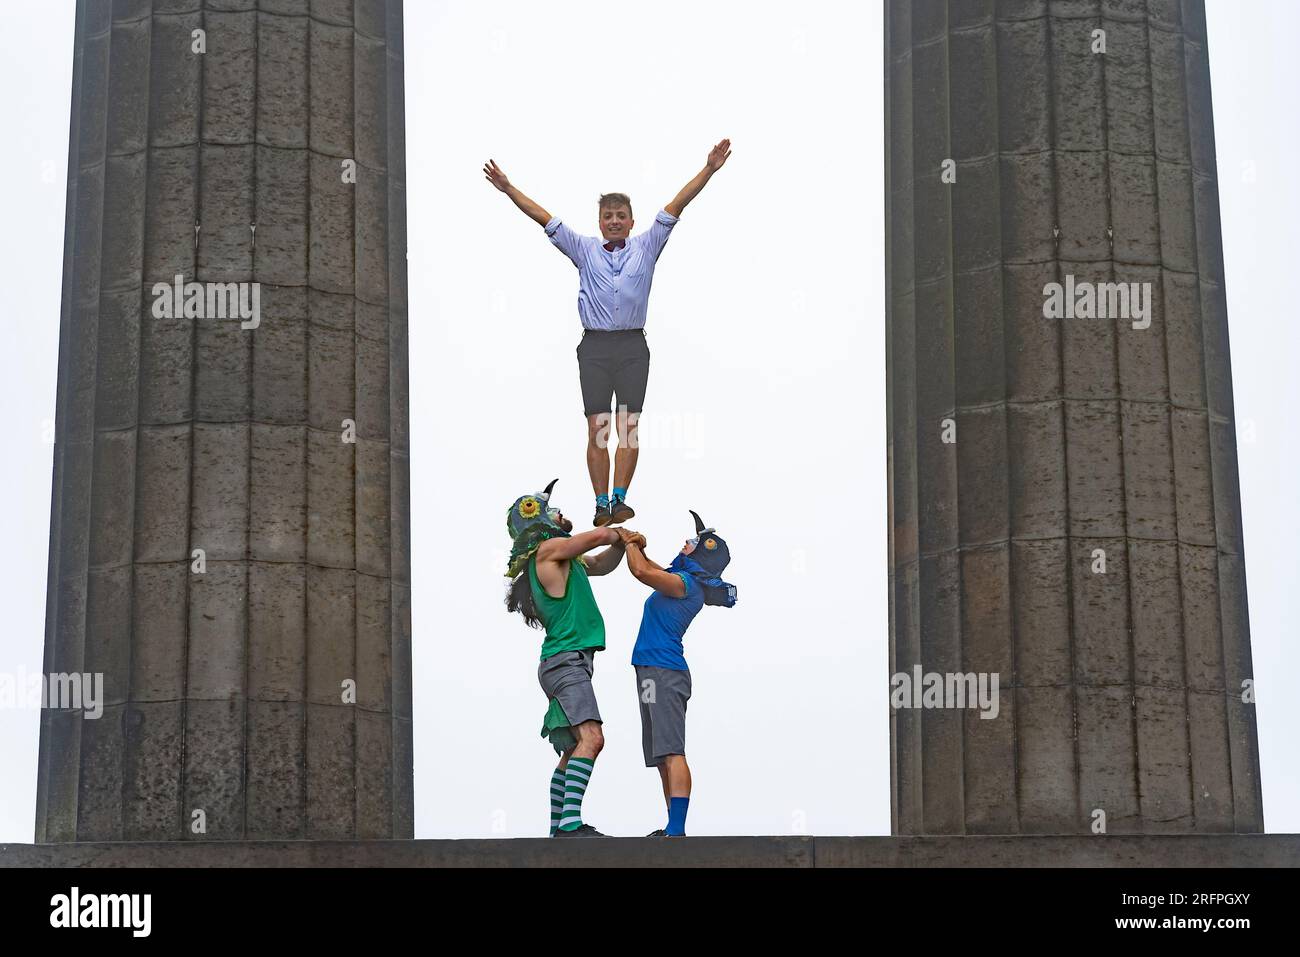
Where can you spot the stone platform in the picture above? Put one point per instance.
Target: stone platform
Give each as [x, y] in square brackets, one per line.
[1148, 850]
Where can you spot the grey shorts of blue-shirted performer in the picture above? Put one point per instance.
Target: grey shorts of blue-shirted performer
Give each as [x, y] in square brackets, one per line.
[662, 693]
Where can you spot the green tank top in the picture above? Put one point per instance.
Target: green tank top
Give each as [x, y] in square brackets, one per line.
[573, 623]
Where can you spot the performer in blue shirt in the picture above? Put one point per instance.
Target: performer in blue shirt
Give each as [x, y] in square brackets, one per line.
[614, 279]
[663, 680]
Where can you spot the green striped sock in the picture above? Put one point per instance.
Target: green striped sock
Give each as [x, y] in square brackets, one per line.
[576, 778]
[557, 797]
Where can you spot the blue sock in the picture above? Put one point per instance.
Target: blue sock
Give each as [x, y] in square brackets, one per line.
[677, 816]
[620, 493]
[602, 501]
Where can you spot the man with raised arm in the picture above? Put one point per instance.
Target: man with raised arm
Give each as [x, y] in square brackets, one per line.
[549, 587]
[614, 279]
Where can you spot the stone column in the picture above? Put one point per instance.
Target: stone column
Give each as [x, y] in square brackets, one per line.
[229, 539]
[1064, 500]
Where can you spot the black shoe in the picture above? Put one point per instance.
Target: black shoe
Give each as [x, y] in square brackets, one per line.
[603, 516]
[620, 511]
[659, 833]
[585, 830]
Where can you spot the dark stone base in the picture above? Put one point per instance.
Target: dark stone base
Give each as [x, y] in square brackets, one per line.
[1149, 850]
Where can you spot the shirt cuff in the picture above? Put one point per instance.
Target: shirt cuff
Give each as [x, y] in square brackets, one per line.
[665, 217]
[686, 580]
[552, 226]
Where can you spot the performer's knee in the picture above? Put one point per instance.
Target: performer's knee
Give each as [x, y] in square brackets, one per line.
[627, 435]
[598, 429]
[590, 736]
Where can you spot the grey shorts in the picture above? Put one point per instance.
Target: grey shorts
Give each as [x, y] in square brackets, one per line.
[663, 694]
[613, 363]
[567, 676]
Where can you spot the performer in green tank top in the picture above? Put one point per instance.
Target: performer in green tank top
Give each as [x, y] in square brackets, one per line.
[550, 588]
[573, 622]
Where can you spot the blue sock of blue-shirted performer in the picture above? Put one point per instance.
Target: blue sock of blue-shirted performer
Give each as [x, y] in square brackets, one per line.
[677, 816]
[690, 582]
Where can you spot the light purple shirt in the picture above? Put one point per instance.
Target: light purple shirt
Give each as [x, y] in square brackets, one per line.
[613, 287]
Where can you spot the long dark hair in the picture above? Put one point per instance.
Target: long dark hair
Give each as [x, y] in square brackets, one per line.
[519, 598]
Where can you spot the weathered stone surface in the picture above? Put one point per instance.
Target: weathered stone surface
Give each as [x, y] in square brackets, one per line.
[1081, 537]
[214, 526]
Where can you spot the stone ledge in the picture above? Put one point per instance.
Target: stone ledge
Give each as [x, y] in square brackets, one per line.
[1132, 850]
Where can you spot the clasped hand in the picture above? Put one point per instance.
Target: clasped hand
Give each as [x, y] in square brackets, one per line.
[630, 537]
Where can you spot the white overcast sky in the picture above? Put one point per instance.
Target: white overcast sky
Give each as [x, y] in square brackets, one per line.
[766, 403]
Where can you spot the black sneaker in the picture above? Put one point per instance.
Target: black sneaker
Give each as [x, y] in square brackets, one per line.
[603, 516]
[585, 830]
[620, 512]
[659, 833]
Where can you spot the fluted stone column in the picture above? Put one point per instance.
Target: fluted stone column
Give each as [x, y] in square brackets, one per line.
[1082, 535]
[230, 522]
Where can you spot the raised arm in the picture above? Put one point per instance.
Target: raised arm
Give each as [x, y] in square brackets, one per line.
[498, 179]
[717, 156]
[562, 549]
[648, 573]
[606, 561]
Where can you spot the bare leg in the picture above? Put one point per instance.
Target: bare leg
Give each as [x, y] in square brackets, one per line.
[625, 457]
[679, 775]
[564, 759]
[598, 452]
[591, 740]
[676, 775]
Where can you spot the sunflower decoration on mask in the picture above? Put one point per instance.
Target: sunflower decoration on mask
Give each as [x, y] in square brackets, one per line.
[710, 544]
[529, 522]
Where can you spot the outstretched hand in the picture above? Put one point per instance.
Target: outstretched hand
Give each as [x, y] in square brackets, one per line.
[494, 175]
[631, 538]
[718, 155]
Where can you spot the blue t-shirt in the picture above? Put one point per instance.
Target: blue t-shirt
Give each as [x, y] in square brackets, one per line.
[663, 623]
